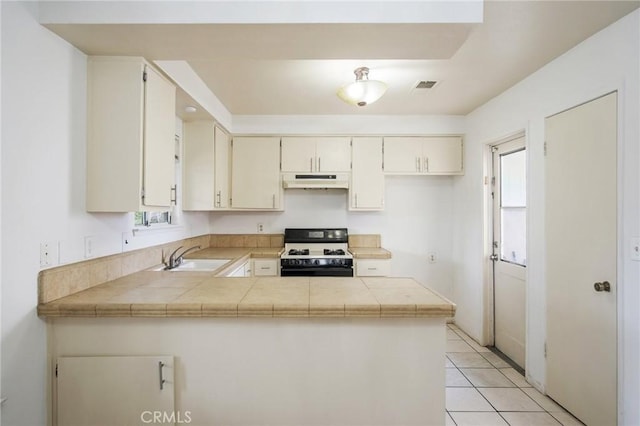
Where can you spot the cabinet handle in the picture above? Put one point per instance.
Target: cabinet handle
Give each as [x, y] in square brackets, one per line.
[218, 198]
[273, 201]
[265, 267]
[162, 380]
[319, 164]
[356, 205]
[417, 164]
[174, 191]
[426, 164]
[311, 164]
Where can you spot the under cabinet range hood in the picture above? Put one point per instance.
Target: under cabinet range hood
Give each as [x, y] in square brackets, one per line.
[315, 181]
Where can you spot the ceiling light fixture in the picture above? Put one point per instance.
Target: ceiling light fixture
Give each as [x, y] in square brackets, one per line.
[190, 109]
[363, 91]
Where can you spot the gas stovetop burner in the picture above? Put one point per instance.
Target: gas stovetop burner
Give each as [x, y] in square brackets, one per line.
[338, 252]
[299, 252]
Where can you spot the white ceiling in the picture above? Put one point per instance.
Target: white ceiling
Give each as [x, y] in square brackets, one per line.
[283, 69]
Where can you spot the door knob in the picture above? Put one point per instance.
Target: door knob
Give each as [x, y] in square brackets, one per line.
[494, 257]
[603, 286]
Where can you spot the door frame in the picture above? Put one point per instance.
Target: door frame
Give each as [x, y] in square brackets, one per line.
[488, 293]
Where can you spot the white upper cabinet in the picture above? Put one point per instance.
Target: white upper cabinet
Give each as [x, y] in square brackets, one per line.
[205, 166]
[316, 154]
[366, 191]
[255, 173]
[435, 155]
[131, 136]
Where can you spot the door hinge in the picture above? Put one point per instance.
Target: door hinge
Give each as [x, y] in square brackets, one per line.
[142, 193]
[494, 149]
[545, 148]
[144, 76]
[56, 370]
[545, 349]
[493, 181]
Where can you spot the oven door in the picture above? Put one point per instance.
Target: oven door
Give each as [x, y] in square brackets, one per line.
[316, 272]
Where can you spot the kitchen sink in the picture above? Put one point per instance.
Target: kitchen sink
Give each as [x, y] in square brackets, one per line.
[197, 265]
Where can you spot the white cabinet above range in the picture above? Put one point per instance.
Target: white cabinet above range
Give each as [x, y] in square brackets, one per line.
[431, 155]
[316, 154]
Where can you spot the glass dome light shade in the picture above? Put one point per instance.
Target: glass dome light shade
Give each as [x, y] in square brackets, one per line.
[362, 92]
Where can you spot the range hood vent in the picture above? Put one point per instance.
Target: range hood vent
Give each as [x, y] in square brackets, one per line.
[315, 181]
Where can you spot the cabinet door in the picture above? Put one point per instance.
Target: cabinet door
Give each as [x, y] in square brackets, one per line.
[333, 154]
[115, 104]
[442, 155]
[113, 390]
[159, 140]
[265, 267]
[198, 166]
[402, 155]
[299, 154]
[367, 180]
[222, 142]
[372, 267]
[255, 173]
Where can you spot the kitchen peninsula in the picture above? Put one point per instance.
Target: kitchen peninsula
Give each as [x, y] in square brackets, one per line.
[274, 350]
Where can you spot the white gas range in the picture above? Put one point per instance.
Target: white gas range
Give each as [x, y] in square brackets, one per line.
[316, 252]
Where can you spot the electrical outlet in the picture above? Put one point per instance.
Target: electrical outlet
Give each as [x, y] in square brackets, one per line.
[433, 257]
[260, 228]
[88, 247]
[48, 254]
[635, 248]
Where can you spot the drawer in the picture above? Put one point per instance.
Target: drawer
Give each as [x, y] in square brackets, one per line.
[372, 267]
[266, 267]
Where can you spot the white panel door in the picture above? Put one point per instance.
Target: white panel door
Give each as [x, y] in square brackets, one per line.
[510, 248]
[112, 390]
[333, 154]
[581, 255]
[402, 155]
[299, 154]
[442, 155]
[255, 173]
[159, 140]
[366, 191]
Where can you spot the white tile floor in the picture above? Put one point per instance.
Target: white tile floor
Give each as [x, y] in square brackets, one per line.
[484, 390]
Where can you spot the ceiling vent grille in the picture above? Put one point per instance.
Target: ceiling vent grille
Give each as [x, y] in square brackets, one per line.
[426, 84]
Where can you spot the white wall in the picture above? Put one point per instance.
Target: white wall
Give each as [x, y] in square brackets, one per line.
[415, 222]
[607, 61]
[418, 209]
[43, 195]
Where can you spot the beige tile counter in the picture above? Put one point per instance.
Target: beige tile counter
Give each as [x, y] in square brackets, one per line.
[370, 253]
[201, 294]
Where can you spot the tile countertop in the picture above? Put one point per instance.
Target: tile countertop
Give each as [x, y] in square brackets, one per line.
[370, 253]
[201, 294]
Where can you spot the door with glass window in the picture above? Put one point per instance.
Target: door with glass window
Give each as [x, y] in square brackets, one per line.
[509, 252]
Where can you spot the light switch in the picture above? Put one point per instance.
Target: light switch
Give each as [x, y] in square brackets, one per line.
[48, 254]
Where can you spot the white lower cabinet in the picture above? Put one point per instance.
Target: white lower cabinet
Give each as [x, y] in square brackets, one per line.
[266, 267]
[372, 267]
[114, 390]
[241, 271]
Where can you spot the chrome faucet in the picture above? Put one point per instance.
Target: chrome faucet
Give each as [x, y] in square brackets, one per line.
[175, 259]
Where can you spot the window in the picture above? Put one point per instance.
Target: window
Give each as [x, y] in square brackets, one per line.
[513, 208]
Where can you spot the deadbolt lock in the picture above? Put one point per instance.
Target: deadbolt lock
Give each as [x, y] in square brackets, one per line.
[603, 286]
